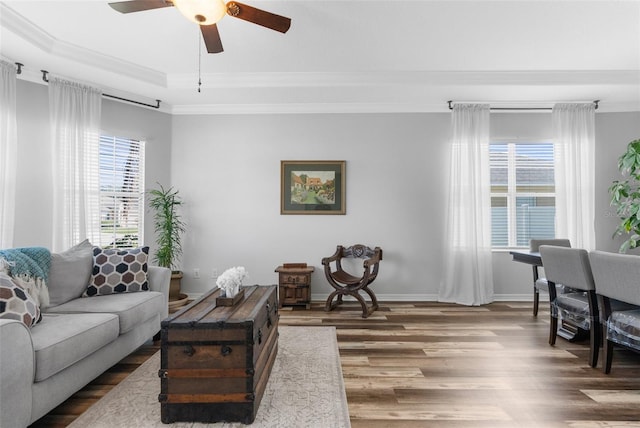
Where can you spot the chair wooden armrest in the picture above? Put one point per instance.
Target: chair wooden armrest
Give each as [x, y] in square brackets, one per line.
[337, 255]
[375, 259]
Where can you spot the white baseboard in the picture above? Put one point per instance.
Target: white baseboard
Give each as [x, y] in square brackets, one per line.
[420, 297]
[434, 297]
[193, 296]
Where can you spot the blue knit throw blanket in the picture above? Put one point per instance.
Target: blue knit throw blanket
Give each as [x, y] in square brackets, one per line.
[30, 266]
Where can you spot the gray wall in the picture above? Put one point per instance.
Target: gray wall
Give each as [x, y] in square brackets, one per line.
[397, 172]
[228, 170]
[33, 187]
[613, 132]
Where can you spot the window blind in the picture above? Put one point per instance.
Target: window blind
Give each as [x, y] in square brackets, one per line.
[522, 193]
[121, 165]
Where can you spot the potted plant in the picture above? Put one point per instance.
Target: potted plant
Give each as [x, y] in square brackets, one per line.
[168, 227]
[625, 196]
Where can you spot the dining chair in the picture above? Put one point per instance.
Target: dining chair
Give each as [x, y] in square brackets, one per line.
[617, 279]
[577, 303]
[540, 283]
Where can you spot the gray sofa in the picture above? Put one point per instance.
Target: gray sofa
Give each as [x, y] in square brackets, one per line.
[76, 341]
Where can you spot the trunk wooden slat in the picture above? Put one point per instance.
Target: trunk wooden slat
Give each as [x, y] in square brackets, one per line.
[216, 360]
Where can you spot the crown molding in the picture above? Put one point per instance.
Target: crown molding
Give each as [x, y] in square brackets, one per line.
[25, 29]
[44, 41]
[371, 108]
[308, 108]
[406, 78]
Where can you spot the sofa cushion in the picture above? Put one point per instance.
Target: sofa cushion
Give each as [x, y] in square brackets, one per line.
[118, 271]
[16, 303]
[62, 340]
[70, 273]
[132, 309]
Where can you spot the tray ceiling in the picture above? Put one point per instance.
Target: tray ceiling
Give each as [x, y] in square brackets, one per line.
[341, 55]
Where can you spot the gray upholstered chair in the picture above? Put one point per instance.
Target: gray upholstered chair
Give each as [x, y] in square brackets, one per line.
[617, 278]
[571, 268]
[540, 284]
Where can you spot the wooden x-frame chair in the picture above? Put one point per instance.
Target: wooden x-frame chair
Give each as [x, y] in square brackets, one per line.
[348, 284]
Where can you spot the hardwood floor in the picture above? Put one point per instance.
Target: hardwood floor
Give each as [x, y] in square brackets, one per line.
[440, 365]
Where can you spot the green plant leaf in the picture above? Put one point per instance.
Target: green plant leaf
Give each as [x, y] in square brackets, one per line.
[625, 196]
[624, 247]
[168, 226]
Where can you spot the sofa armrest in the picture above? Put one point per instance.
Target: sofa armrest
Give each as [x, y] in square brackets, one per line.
[17, 372]
[159, 280]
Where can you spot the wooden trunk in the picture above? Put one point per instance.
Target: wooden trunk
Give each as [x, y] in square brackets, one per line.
[216, 360]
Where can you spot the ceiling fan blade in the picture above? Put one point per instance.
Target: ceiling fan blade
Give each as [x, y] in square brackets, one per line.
[211, 38]
[139, 5]
[258, 16]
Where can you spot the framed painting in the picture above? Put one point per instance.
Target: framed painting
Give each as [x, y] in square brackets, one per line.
[312, 187]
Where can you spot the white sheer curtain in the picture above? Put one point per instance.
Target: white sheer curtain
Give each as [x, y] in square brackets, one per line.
[8, 152]
[75, 130]
[468, 275]
[574, 146]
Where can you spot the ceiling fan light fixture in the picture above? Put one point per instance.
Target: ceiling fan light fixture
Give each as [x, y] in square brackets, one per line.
[202, 12]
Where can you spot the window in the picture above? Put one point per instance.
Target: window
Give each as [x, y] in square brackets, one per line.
[121, 192]
[522, 193]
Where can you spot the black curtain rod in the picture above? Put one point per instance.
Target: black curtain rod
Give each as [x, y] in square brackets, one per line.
[450, 102]
[46, 79]
[133, 101]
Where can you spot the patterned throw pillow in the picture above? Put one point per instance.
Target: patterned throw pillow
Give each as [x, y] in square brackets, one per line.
[118, 271]
[17, 304]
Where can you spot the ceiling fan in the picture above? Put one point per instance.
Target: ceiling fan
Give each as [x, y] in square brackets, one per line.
[207, 12]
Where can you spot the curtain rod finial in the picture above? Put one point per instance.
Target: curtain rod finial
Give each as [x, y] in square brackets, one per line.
[44, 75]
[19, 65]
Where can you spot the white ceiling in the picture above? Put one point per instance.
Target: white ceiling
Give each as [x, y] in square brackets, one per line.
[341, 55]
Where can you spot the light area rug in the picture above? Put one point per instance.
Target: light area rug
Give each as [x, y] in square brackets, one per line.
[305, 389]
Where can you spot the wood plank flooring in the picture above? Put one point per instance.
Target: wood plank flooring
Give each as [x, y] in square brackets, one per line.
[440, 365]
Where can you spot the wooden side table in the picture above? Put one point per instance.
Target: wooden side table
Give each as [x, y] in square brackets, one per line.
[294, 287]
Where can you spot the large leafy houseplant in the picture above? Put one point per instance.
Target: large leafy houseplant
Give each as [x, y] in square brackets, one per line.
[625, 196]
[168, 226]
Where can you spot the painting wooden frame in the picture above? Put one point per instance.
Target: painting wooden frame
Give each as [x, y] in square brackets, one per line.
[312, 187]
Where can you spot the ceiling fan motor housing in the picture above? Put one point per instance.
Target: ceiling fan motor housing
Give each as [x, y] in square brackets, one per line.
[203, 12]
[233, 9]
